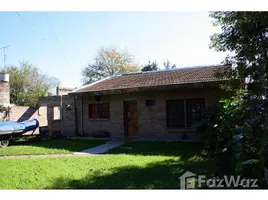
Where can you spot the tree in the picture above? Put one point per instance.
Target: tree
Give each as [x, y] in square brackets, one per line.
[168, 65]
[150, 67]
[27, 84]
[245, 36]
[108, 62]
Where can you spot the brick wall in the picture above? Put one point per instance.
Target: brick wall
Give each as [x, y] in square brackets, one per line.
[114, 125]
[68, 116]
[4, 93]
[21, 113]
[151, 120]
[45, 115]
[66, 123]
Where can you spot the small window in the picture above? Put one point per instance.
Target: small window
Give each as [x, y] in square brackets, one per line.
[56, 113]
[100, 110]
[150, 102]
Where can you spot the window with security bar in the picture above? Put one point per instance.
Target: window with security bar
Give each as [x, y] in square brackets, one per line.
[100, 110]
[183, 113]
[195, 110]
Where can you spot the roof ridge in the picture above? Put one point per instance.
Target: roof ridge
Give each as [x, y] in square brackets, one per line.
[178, 76]
[174, 69]
[90, 84]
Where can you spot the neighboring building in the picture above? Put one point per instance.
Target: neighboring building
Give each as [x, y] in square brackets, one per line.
[4, 89]
[11, 112]
[50, 112]
[63, 90]
[147, 104]
[4, 97]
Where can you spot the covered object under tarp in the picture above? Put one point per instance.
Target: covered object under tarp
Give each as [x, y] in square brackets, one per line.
[18, 127]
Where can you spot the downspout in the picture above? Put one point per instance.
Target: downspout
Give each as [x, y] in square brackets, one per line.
[75, 115]
[81, 117]
[185, 113]
[61, 116]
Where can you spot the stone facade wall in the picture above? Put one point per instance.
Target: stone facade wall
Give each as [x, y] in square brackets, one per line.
[151, 120]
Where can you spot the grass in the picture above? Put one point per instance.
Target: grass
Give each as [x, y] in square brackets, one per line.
[146, 165]
[159, 148]
[40, 147]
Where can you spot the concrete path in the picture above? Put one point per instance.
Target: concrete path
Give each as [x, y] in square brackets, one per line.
[99, 149]
[88, 152]
[45, 156]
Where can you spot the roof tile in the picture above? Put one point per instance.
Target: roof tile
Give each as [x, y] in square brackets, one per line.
[155, 78]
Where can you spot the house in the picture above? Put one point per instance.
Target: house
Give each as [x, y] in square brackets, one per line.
[160, 104]
[156, 104]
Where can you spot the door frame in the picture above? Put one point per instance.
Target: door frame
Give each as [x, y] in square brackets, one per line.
[125, 114]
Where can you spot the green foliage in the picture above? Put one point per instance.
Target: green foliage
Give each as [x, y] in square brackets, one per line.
[168, 64]
[109, 61]
[150, 67]
[5, 112]
[27, 84]
[233, 132]
[240, 123]
[244, 35]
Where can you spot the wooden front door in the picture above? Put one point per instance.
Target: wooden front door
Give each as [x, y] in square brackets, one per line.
[130, 118]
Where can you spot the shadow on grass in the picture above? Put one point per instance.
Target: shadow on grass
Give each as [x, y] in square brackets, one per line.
[155, 175]
[182, 149]
[70, 145]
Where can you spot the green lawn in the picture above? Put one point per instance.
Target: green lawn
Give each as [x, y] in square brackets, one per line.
[146, 165]
[159, 148]
[56, 146]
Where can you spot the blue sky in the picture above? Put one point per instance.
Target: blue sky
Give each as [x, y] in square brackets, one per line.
[181, 37]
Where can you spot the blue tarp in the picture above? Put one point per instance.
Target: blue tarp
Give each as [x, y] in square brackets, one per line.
[13, 126]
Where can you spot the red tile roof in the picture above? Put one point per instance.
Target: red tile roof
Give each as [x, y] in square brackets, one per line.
[155, 78]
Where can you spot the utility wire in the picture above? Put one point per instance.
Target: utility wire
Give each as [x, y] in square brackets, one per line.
[54, 34]
[33, 31]
[58, 42]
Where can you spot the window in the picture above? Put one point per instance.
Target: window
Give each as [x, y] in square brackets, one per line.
[175, 113]
[56, 113]
[183, 113]
[195, 110]
[100, 110]
[149, 102]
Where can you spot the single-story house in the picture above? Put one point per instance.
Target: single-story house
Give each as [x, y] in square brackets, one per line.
[161, 103]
